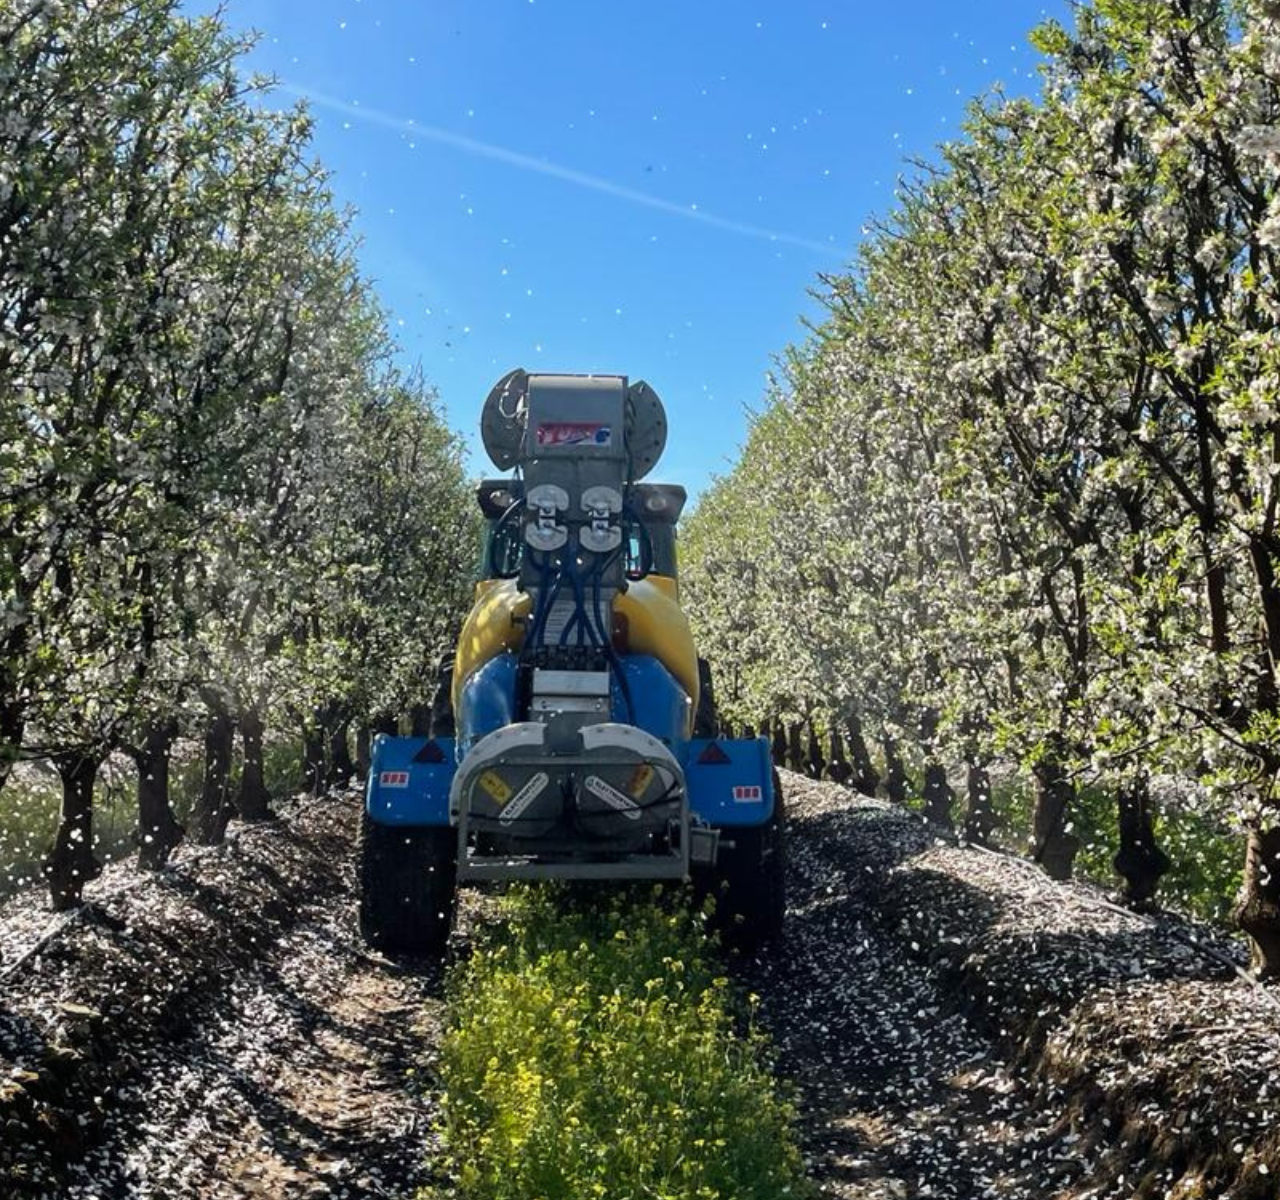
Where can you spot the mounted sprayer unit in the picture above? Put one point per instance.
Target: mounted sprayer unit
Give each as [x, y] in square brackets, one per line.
[575, 691]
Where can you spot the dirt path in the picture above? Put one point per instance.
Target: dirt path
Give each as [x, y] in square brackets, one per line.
[958, 1026]
[302, 1086]
[240, 1040]
[219, 1030]
[899, 1096]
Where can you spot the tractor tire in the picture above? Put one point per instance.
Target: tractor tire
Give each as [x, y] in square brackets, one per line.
[750, 885]
[408, 877]
[706, 720]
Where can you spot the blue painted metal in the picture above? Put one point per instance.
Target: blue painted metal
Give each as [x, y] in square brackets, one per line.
[737, 789]
[734, 788]
[488, 701]
[404, 792]
[661, 706]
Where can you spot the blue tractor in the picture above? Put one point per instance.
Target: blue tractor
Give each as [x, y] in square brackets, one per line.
[586, 745]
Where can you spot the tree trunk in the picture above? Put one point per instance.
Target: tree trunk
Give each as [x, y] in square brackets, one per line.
[213, 808]
[420, 720]
[838, 768]
[895, 779]
[815, 763]
[341, 768]
[255, 801]
[313, 758]
[1257, 910]
[13, 703]
[795, 752]
[71, 863]
[937, 793]
[865, 776]
[1139, 861]
[386, 723]
[979, 817]
[1052, 846]
[364, 750]
[777, 742]
[442, 722]
[158, 829]
[938, 796]
[12, 727]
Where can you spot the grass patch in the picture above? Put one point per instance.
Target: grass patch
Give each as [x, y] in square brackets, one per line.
[32, 796]
[1206, 855]
[29, 807]
[598, 1050]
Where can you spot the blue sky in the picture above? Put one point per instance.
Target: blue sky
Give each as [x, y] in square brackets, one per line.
[649, 188]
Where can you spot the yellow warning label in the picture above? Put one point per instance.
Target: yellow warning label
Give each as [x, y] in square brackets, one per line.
[640, 780]
[496, 786]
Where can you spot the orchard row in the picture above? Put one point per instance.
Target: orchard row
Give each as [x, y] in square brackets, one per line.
[1017, 500]
[223, 509]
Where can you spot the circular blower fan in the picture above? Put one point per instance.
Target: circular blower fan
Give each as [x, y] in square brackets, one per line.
[503, 420]
[646, 429]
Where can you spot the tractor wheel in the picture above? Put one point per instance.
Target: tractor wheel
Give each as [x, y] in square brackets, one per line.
[750, 888]
[706, 720]
[407, 884]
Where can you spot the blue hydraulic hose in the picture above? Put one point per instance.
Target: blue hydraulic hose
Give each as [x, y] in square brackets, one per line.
[586, 629]
[548, 589]
[498, 529]
[576, 618]
[571, 566]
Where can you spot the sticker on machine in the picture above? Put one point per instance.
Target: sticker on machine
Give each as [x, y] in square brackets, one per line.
[524, 797]
[397, 779]
[748, 795]
[574, 433]
[498, 789]
[612, 797]
[640, 779]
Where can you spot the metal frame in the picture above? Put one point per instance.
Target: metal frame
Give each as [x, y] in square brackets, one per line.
[473, 865]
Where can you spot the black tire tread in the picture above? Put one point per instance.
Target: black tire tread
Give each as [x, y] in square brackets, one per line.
[750, 889]
[407, 879]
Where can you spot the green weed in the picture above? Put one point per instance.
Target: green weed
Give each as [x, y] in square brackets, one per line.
[597, 1050]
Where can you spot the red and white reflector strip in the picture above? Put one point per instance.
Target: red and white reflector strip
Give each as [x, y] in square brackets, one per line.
[393, 779]
[748, 795]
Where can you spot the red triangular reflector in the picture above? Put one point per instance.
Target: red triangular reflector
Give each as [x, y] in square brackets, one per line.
[430, 753]
[713, 755]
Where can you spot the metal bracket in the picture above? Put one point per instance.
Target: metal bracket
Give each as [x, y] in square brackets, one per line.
[546, 502]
